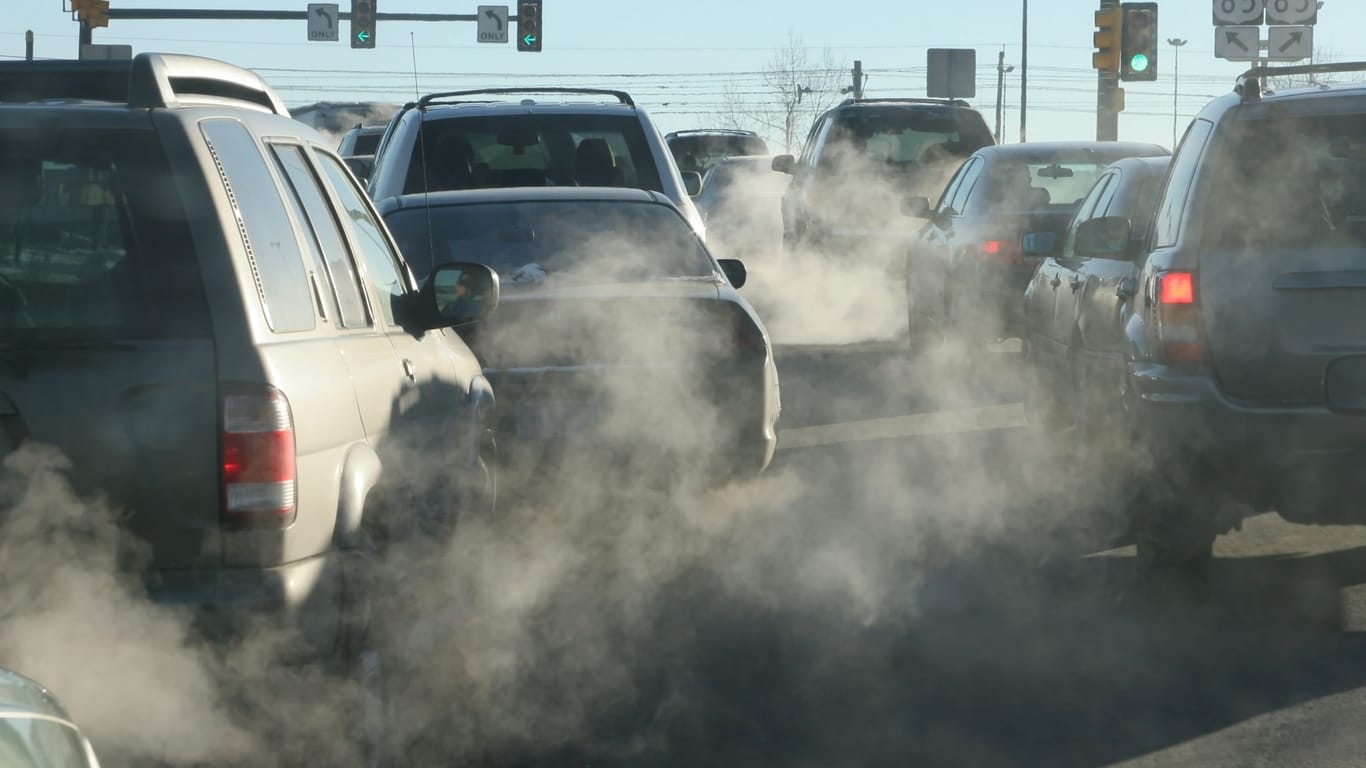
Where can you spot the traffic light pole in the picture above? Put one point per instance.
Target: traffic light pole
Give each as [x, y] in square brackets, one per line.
[1107, 93]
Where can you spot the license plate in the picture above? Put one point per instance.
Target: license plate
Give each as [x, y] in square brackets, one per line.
[556, 418]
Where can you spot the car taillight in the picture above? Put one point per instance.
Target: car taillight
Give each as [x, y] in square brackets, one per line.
[259, 473]
[747, 334]
[1178, 326]
[1001, 251]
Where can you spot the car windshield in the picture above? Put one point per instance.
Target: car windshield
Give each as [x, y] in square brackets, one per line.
[1290, 182]
[533, 150]
[530, 242]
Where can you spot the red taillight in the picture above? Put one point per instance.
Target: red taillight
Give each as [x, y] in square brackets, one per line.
[1177, 288]
[747, 334]
[259, 473]
[1002, 252]
[1178, 326]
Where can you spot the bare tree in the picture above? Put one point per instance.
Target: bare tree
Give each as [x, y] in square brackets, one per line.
[798, 85]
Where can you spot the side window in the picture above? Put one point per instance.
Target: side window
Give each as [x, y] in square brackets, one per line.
[818, 145]
[1099, 198]
[952, 188]
[327, 238]
[1167, 221]
[1106, 200]
[809, 146]
[959, 203]
[264, 225]
[381, 264]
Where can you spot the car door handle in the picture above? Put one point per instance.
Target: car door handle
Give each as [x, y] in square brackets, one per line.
[1055, 282]
[410, 370]
[1126, 288]
[1076, 284]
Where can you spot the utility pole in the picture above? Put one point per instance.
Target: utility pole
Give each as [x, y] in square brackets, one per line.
[858, 79]
[28, 45]
[1001, 70]
[1024, 68]
[1176, 44]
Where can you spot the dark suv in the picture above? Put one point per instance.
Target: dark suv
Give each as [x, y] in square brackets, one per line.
[863, 157]
[200, 308]
[1246, 321]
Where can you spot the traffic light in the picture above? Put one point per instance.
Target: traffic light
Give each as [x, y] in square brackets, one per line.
[529, 25]
[1107, 38]
[363, 23]
[1138, 57]
[99, 13]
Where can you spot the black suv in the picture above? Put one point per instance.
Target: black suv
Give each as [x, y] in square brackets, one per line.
[863, 157]
[202, 311]
[1245, 323]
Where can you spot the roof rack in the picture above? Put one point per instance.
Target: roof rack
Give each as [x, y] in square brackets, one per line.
[721, 131]
[149, 81]
[432, 98]
[942, 102]
[1250, 85]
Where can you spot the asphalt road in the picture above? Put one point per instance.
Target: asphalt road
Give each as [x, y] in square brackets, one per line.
[921, 580]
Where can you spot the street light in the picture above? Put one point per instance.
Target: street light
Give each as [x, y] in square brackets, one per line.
[1176, 80]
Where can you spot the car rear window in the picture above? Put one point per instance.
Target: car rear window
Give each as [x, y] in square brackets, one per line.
[702, 152]
[1041, 184]
[919, 136]
[579, 241]
[1287, 181]
[532, 150]
[93, 237]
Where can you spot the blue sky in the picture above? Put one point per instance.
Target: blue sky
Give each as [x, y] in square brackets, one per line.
[680, 59]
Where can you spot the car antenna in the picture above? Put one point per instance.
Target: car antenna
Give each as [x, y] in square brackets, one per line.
[422, 147]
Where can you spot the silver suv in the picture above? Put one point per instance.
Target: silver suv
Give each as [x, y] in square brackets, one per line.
[200, 308]
[472, 140]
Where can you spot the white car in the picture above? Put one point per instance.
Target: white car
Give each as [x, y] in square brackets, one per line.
[502, 137]
[35, 731]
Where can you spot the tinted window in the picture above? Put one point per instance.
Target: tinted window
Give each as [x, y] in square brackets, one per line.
[381, 266]
[701, 152]
[578, 241]
[367, 143]
[265, 227]
[1167, 220]
[1288, 182]
[533, 151]
[338, 268]
[93, 237]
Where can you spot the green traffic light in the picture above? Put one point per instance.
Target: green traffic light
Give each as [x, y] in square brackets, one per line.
[1139, 63]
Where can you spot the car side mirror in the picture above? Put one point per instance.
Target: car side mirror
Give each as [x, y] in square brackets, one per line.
[361, 166]
[1039, 244]
[735, 271]
[1104, 238]
[916, 207]
[692, 183]
[458, 293]
[784, 164]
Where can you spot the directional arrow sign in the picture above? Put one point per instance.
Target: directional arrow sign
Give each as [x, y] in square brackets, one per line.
[1238, 43]
[322, 22]
[1290, 43]
[493, 24]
